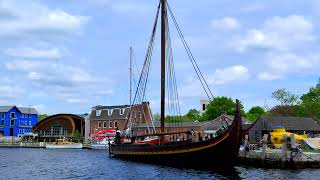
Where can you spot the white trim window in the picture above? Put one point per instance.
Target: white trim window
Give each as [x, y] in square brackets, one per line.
[110, 124]
[122, 110]
[98, 112]
[99, 124]
[104, 124]
[12, 115]
[3, 115]
[110, 112]
[115, 124]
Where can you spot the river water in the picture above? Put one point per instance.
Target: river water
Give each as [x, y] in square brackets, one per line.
[93, 164]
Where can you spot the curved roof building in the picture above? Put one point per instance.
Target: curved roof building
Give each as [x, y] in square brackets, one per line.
[60, 126]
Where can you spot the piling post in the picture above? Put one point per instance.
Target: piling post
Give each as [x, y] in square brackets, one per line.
[293, 142]
[246, 145]
[284, 148]
[264, 146]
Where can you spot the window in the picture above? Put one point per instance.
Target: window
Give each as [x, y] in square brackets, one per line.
[110, 124]
[29, 123]
[203, 107]
[104, 124]
[2, 123]
[12, 122]
[20, 131]
[115, 124]
[13, 115]
[98, 112]
[56, 130]
[99, 124]
[110, 112]
[122, 110]
[3, 115]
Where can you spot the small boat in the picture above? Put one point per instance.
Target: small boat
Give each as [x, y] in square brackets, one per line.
[64, 144]
[313, 143]
[102, 138]
[104, 144]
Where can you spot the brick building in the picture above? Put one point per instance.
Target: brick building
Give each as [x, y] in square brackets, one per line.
[113, 117]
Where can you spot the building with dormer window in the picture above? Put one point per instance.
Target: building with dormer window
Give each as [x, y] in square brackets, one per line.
[116, 117]
[15, 121]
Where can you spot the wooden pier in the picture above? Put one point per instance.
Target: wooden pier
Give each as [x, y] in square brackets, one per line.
[290, 156]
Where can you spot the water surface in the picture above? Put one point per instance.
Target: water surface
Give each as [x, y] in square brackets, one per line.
[93, 164]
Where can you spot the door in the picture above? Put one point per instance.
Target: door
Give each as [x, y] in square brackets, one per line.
[11, 131]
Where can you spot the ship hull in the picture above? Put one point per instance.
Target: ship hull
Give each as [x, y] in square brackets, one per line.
[221, 150]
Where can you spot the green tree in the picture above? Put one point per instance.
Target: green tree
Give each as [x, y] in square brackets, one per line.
[156, 117]
[255, 112]
[310, 105]
[218, 106]
[193, 114]
[42, 116]
[77, 135]
[285, 97]
[279, 110]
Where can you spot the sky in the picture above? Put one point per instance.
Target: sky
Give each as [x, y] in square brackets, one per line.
[68, 56]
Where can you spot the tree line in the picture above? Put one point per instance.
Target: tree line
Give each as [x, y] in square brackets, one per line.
[306, 105]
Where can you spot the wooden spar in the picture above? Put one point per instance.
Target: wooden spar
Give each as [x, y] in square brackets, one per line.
[163, 63]
[162, 134]
[130, 75]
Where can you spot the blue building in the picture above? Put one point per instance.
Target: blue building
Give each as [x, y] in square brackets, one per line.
[15, 121]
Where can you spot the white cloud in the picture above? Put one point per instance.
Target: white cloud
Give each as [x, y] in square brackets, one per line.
[27, 52]
[9, 91]
[229, 74]
[74, 101]
[227, 23]
[278, 33]
[34, 20]
[41, 108]
[24, 65]
[193, 87]
[50, 73]
[268, 76]
[279, 65]
[131, 7]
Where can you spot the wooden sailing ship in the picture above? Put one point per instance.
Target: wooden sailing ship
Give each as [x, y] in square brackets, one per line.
[222, 149]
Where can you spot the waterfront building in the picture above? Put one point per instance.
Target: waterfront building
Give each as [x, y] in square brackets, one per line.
[297, 125]
[15, 121]
[116, 117]
[58, 126]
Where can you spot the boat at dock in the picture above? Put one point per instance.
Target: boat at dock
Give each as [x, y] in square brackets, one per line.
[64, 144]
[102, 139]
[174, 147]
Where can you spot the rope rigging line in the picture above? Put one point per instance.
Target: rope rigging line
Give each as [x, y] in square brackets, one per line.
[173, 98]
[141, 87]
[191, 57]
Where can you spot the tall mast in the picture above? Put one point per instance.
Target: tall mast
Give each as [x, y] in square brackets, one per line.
[130, 75]
[163, 61]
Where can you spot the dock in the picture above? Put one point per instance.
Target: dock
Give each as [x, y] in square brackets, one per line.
[23, 145]
[290, 156]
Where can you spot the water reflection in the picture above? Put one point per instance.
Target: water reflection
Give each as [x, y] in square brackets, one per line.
[89, 164]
